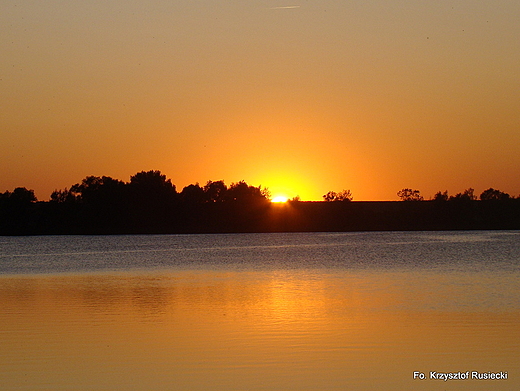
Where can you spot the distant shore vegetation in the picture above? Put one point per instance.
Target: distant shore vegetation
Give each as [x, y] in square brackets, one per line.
[150, 203]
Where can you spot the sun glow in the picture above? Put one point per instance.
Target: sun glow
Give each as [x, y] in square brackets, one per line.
[279, 198]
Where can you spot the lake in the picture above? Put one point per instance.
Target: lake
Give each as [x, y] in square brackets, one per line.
[281, 311]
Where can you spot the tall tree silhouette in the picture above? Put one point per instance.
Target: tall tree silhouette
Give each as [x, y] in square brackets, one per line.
[494, 195]
[215, 191]
[19, 196]
[16, 211]
[193, 194]
[242, 192]
[153, 200]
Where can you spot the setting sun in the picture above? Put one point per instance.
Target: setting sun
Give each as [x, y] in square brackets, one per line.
[279, 198]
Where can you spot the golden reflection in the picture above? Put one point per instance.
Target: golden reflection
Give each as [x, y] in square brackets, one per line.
[275, 330]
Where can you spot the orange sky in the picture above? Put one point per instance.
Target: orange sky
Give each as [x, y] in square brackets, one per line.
[370, 96]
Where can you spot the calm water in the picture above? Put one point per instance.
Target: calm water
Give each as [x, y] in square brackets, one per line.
[303, 311]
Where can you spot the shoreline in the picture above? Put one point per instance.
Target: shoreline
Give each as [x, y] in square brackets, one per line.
[48, 218]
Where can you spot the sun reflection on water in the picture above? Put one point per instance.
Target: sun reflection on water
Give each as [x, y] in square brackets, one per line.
[203, 330]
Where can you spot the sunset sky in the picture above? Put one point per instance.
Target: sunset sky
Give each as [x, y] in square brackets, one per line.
[300, 96]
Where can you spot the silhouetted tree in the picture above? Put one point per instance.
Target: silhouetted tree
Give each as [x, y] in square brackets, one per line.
[104, 203]
[409, 195]
[63, 196]
[93, 190]
[151, 188]
[242, 192]
[152, 181]
[193, 194]
[215, 191]
[153, 200]
[86, 190]
[467, 195]
[494, 195]
[344, 195]
[441, 196]
[330, 196]
[265, 193]
[17, 212]
[20, 196]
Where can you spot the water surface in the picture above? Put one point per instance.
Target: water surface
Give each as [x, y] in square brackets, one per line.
[310, 311]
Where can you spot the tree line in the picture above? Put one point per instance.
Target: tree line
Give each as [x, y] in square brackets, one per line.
[467, 195]
[408, 194]
[150, 203]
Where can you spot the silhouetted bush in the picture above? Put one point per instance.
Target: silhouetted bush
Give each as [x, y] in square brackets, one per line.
[409, 195]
